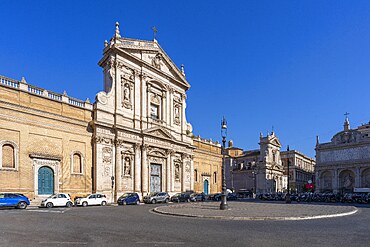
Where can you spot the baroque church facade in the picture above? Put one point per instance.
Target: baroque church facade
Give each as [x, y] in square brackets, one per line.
[134, 138]
[142, 141]
[259, 171]
[343, 164]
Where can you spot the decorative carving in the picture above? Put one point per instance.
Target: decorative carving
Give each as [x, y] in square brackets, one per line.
[156, 61]
[107, 155]
[155, 99]
[102, 98]
[103, 140]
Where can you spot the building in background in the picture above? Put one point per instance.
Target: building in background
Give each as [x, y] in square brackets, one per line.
[301, 170]
[344, 163]
[264, 170]
[258, 171]
[207, 166]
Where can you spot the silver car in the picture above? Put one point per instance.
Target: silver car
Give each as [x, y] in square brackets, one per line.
[155, 197]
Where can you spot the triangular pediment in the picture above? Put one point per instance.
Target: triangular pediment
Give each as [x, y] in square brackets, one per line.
[151, 54]
[159, 133]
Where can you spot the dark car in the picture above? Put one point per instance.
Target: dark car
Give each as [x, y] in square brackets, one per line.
[176, 197]
[129, 198]
[200, 197]
[155, 197]
[14, 200]
[232, 197]
[216, 197]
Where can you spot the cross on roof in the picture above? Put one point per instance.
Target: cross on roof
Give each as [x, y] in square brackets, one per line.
[346, 114]
[155, 32]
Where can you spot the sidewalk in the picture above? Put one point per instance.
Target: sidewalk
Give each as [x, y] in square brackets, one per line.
[256, 211]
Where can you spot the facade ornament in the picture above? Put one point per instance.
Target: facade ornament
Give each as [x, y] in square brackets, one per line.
[105, 43]
[183, 69]
[156, 61]
[117, 33]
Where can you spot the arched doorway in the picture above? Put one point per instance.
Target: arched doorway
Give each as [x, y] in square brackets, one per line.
[205, 186]
[45, 181]
[346, 181]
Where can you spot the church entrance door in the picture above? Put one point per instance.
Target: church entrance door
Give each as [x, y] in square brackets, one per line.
[205, 187]
[45, 181]
[155, 178]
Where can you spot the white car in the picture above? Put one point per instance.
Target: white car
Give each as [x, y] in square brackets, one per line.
[57, 200]
[93, 199]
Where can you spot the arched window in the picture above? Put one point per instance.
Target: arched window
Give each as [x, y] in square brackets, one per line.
[215, 177]
[8, 155]
[77, 163]
[196, 175]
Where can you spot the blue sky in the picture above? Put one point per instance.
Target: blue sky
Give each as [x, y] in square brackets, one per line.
[295, 65]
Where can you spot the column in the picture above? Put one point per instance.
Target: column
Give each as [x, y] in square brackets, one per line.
[168, 170]
[335, 181]
[358, 178]
[192, 174]
[172, 182]
[137, 169]
[183, 177]
[118, 171]
[144, 168]
[317, 182]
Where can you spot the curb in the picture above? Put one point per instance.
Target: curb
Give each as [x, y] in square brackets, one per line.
[259, 218]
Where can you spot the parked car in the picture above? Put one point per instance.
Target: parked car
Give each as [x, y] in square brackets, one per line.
[200, 197]
[57, 200]
[14, 200]
[93, 199]
[232, 197]
[176, 197]
[185, 197]
[129, 198]
[155, 197]
[216, 197]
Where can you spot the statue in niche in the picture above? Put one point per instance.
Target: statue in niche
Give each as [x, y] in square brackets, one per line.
[177, 114]
[126, 92]
[177, 172]
[127, 167]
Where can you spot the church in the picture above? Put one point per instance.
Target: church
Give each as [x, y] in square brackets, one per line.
[133, 138]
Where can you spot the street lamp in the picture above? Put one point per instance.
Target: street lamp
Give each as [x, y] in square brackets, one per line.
[223, 204]
[287, 197]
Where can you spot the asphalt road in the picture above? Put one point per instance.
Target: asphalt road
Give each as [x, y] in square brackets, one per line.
[138, 226]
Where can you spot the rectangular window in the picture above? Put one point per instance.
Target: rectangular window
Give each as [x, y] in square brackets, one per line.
[154, 111]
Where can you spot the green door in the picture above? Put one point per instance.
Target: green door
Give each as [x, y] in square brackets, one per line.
[46, 181]
[205, 187]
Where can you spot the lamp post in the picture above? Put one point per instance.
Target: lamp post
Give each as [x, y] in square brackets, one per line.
[287, 197]
[223, 204]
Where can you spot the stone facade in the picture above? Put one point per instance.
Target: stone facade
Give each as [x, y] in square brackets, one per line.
[207, 166]
[344, 163]
[301, 169]
[142, 141]
[43, 133]
[264, 170]
[134, 138]
[260, 171]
